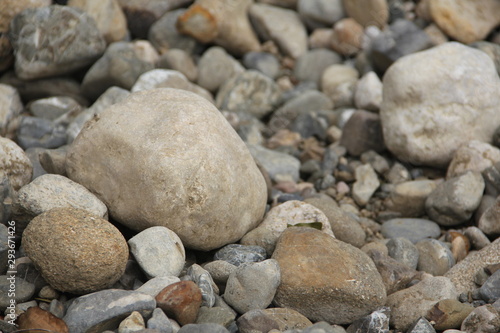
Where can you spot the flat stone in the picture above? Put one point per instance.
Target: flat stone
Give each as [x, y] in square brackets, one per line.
[280, 166]
[14, 164]
[455, 200]
[282, 26]
[252, 285]
[34, 132]
[490, 290]
[215, 315]
[159, 252]
[430, 71]
[412, 229]
[121, 65]
[465, 21]
[68, 40]
[463, 273]
[202, 135]
[54, 191]
[181, 61]
[286, 216]
[264, 62]
[339, 297]
[368, 12]
[37, 318]
[434, 257]
[105, 309]
[220, 270]
[153, 286]
[82, 263]
[52, 108]
[409, 304]
[408, 198]
[251, 92]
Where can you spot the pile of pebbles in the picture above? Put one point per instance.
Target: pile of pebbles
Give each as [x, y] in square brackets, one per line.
[250, 166]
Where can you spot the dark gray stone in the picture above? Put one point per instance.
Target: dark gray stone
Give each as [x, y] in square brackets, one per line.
[39, 132]
[362, 132]
[105, 309]
[263, 62]
[490, 290]
[207, 285]
[422, 325]
[34, 154]
[203, 328]
[238, 254]
[412, 229]
[320, 13]
[66, 38]
[375, 322]
[310, 125]
[4, 247]
[402, 38]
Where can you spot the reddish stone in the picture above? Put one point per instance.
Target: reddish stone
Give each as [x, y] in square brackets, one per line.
[181, 301]
[37, 318]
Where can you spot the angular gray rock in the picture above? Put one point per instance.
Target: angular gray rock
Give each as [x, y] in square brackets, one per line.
[280, 166]
[54, 40]
[179, 149]
[215, 67]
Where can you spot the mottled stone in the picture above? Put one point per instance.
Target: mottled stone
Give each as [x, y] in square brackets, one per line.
[14, 164]
[395, 275]
[448, 313]
[377, 321]
[180, 301]
[404, 251]
[288, 319]
[164, 35]
[434, 257]
[484, 319]
[93, 258]
[237, 254]
[67, 40]
[473, 156]
[10, 106]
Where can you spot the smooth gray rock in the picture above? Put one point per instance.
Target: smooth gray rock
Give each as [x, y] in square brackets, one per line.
[181, 61]
[39, 132]
[153, 286]
[455, 200]
[320, 13]
[280, 166]
[159, 252]
[215, 67]
[490, 290]
[22, 290]
[52, 108]
[105, 309]
[412, 229]
[264, 62]
[67, 39]
[434, 257]
[311, 65]
[159, 321]
[252, 285]
[404, 251]
[185, 153]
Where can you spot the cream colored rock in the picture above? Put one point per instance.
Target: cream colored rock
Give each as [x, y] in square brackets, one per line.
[464, 20]
[108, 16]
[14, 164]
[168, 157]
[279, 218]
[473, 156]
[368, 12]
[437, 100]
[339, 83]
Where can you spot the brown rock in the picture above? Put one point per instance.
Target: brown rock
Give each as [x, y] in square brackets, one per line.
[75, 251]
[10, 8]
[256, 321]
[368, 12]
[37, 319]
[464, 20]
[224, 22]
[395, 275]
[346, 37]
[362, 132]
[180, 301]
[448, 314]
[288, 319]
[324, 278]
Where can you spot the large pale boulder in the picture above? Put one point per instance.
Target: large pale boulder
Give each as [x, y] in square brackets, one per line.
[167, 157]
[437, 100]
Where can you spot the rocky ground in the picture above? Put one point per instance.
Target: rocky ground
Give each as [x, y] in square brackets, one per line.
[293, 166]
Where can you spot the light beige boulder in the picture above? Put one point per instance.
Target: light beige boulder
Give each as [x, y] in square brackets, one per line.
[167, 157]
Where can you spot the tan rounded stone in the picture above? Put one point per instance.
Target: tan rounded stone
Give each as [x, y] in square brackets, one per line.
[75, 251]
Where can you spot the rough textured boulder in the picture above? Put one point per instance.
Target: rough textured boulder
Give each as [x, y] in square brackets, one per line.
[168, 157]
[437, 100]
